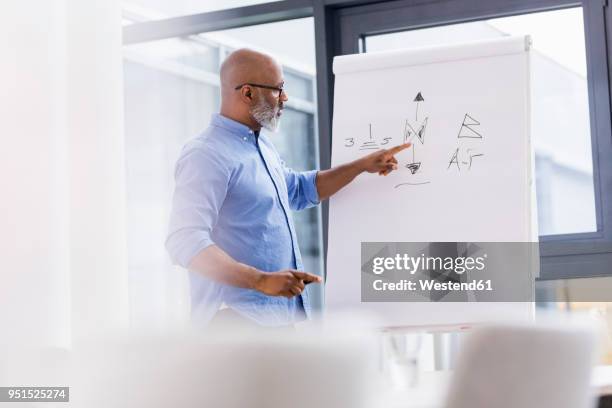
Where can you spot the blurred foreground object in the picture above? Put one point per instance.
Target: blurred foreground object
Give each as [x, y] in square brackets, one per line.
[230, 371]
[508, 366]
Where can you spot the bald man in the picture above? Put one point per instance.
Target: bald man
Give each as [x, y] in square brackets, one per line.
[231, 224]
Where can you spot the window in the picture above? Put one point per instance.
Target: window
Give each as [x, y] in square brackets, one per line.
[171, 90]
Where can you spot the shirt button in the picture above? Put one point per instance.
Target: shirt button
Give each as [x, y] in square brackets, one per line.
[250, 132]
[244, 138]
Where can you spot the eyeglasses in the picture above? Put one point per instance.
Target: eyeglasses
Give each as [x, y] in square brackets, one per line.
[274, 88]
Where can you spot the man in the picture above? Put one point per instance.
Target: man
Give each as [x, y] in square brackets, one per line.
[231, 223]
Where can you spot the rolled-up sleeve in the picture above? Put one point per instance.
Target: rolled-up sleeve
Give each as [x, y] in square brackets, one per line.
[201, 184]
[301, 188]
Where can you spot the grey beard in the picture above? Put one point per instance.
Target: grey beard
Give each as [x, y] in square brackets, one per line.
[265, 115]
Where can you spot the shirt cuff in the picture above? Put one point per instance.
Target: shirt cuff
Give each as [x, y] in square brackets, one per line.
[310, 187]
[185, 254]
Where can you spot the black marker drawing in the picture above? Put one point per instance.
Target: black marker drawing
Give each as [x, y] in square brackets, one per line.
[409, 130]
[411, 184]
[413, 167]
[455, 159]
[410, 133]
[472, 156]
[466, 129]
[461, 157]
[417, 99]
[369, 144]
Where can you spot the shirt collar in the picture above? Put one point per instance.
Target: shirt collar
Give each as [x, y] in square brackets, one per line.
[237, 128]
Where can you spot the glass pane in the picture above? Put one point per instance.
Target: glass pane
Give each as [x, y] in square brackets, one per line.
[171, 90]
[560, 106]
[142, 10]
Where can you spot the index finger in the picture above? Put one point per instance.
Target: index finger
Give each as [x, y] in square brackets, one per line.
[306, 277]
[398, 148]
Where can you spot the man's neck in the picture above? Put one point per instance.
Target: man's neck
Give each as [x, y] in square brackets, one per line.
[256, 127]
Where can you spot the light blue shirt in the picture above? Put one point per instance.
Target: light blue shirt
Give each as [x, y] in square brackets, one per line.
[233, 190]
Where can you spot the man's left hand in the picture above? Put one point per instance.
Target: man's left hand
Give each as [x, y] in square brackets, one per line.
[382, 161]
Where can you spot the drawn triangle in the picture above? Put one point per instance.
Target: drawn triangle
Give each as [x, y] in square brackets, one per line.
[421, 133]
[471, 120]
[418, 98]
[467, 131]
[413, 167]
[466, 128]
[408, 131]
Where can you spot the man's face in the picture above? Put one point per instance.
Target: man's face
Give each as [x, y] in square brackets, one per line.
[268, 106]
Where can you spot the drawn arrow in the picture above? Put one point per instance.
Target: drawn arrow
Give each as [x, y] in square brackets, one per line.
[417, 99]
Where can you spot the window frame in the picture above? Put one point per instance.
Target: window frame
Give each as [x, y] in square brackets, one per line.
[341, 25]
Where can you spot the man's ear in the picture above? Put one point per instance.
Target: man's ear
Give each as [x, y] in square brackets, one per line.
[247, 93]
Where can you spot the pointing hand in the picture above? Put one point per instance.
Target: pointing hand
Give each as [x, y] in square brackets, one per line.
[383, 161]
[287, 283]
